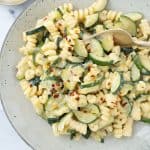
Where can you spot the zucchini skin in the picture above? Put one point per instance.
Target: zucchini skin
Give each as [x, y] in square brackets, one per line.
[146, 120]
[37, 30]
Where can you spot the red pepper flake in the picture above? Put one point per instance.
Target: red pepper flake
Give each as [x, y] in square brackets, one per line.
[56, 96]
[77, 98]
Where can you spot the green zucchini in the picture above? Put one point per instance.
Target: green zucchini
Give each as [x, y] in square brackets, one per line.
[91, 20]
[89, 85]
[87, 114]
[107, 42]
[127, 24]
[145, 61]
[135, 73]
[36, 30]
[54, 78]
[75, 60]
[102, 61]
[137, 61]
[116, 83]
[96, 47]
[135, 16]
[145, 120]
[126, 105]
[145, 72]
[80, 48]
[99, 5]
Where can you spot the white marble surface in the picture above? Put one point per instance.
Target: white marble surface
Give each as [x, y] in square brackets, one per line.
[9, 140]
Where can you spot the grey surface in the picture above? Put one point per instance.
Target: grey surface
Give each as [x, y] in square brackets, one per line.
[35, 131]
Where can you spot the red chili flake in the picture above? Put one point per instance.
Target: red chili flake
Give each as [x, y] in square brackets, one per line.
[56, 96]
[77, 98]
[53, 85]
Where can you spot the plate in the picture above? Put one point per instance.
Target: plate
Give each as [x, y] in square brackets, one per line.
[31, 128]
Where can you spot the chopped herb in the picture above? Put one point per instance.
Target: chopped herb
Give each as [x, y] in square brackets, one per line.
[127, 50]
[35, 81]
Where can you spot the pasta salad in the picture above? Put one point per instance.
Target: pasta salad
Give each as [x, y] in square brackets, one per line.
[87, 89]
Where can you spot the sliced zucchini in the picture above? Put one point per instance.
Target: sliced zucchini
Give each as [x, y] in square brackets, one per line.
[36, 30]
[116, 83]
[126, 89]
[135, 16]
[102, 61]
[75, 60]
[137, 61]
[99, 5]
[107, 42]
[89, 85]
[145, 61]
[126, 105]
[68, 75]
[91, 20]
[87, 114]
[127, 24]
[145, 120]
[59, 63]
[80, 48]
[135, 73]
[54, 78]
[96, 47]
[89, 90]
[145, 72]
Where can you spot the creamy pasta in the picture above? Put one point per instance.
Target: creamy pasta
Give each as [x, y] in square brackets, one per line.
[91, 89]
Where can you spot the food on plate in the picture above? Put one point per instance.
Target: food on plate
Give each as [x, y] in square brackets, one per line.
[91, 89]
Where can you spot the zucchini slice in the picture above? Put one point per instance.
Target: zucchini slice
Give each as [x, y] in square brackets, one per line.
[135, 16]
[126, 105]
[135, 73]
[91, 20]
[75, 60]
[107, 42]
[127, 24]
[96, 47]
[36, 30]
[80, 48]
[87, 114]
[98, 82]
[99, 5]
[116, 83]
[102, 61]
[145, 61]
[145, 120]
[137, 61]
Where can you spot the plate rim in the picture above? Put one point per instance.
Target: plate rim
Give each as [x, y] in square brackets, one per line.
[2, 102]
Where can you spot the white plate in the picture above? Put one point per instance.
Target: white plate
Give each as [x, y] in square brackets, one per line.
[31, 128]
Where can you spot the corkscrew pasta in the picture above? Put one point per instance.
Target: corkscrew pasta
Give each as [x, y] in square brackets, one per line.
[87, 89]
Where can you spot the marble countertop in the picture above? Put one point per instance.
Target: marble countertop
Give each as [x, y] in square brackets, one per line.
[9, 140]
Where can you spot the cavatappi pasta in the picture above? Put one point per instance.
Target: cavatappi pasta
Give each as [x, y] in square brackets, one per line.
[90, 89]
